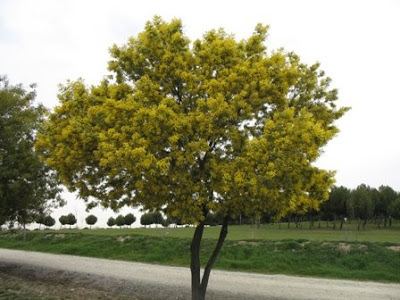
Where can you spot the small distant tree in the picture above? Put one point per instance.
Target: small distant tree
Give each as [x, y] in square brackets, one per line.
[386, 197]
[48, 221]
[146, 219]
[63, 220]
[362, 204]
[157, 217]
[40, 219]
[120, 221]
[71, 220]
[111, 222]
[336, 206]
[2, 221]
[394, 208]
[91, 220]
[129, 219]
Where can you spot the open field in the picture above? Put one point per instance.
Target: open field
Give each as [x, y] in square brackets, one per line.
[364, 255]
[265, 232]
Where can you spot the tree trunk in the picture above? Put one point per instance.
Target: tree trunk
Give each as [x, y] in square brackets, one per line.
[199, 285]
[24, 226]
[341, 223]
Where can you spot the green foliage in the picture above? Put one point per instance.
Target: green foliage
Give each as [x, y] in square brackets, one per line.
[91, 220]
[120, 221]
[386, 197]
[189, 127]
[394, 208]
[48, 221]
[146, 219]
[63, 220]
[129, 219]
[111, 222]
[362, 202]
[27, 186]
[71, 219]
[337, 203]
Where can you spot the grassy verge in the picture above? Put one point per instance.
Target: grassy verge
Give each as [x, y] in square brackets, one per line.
[334, 259]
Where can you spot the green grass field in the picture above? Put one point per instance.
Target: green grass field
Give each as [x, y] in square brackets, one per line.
[265, 232]
[363, 255]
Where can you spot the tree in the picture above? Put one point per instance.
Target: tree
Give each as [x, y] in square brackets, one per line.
[146, 219]
[40, 219]
[215, 125]
[362, 203]
[120, 221]
[386, 197]
[111, 222]
[129, 219]
[48, 221]
[157, 218]
[71, 220]
[63, 220]
[337, 204]
[91, 220]
[27, 186]
[394, 208]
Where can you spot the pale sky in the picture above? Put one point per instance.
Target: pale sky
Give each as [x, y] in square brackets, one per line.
[356, 42]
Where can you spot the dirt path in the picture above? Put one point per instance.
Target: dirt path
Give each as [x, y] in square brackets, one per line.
[147, 281]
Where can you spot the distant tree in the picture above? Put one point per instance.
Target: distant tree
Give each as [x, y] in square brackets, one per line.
[129, 219]
[336, 206]
[362, 203]
[157, 217]
[146, 219]
[211, 219]
[173, 220]
[71, 220]
[40, 219]
[120, 221]
[111, 222]
[2, 221]
[48, 221]
[91, 220]
[63, 220]
[394, 208]
[386, 197]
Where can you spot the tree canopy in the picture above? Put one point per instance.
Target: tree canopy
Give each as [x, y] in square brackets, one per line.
[187, 127]
[27, 186]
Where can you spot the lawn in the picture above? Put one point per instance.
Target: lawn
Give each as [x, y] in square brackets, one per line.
[364, 255]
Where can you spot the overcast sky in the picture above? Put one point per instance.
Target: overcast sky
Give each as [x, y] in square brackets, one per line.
[356, 42]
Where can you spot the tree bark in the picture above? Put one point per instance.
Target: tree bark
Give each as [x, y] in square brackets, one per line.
[199, 287]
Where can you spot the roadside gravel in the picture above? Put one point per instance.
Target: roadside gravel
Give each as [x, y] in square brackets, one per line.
[148, 281]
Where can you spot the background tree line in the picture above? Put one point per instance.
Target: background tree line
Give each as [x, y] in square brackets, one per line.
[362, 205]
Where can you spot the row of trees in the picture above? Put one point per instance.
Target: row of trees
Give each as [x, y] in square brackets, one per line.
[121, 220]
[363, 203]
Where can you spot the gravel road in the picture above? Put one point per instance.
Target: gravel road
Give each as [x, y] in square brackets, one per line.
[148, 281]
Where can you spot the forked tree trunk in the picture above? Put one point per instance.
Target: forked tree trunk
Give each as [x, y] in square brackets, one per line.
[199, 285]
